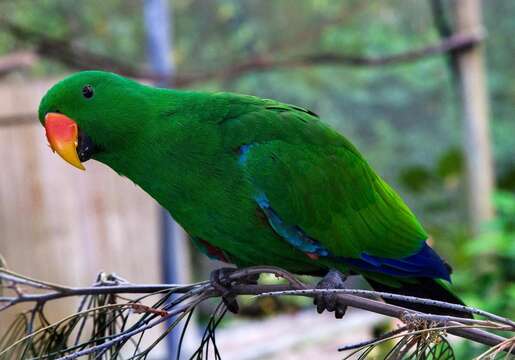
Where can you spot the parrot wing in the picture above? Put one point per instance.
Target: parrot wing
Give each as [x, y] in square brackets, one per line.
[320, 195]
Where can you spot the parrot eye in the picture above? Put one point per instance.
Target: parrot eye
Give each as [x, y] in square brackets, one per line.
[87, 91]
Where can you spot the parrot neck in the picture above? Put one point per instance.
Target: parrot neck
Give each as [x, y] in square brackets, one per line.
[172, 186]
[177, 159]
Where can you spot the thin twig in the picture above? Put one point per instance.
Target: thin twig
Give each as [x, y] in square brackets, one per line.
[9, 275]
[179, 310]
[96, 290]
[43, 329]
[365, 343]
[492, 352]
[448, 328]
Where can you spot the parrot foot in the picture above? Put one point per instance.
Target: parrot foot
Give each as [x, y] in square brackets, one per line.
[334, 279]
[219, 279]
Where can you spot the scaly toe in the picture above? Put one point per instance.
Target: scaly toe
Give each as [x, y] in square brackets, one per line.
[231, 303]
[220, 282]
[340, 312]
[329, 301]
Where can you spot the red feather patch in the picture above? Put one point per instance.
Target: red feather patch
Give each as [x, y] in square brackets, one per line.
[215, 252]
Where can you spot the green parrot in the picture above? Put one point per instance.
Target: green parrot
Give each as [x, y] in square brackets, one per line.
[252, 181]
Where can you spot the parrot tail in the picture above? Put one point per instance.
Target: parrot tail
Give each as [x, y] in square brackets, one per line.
[424, 288]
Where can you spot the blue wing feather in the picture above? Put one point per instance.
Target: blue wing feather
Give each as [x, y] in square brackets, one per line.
[424, 263]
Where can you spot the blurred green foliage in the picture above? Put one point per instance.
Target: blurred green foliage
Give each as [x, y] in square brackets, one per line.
[489, 279]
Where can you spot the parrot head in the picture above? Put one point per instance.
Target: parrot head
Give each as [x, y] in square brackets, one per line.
[93, 112]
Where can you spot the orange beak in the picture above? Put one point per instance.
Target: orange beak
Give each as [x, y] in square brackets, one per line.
[62, 134]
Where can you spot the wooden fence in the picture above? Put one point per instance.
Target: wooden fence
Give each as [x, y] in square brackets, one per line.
[58, 223]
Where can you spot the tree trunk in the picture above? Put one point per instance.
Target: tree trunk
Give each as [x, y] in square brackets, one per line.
[475, 116]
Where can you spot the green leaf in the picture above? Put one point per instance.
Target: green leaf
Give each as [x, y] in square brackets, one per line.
[416, 178]
[437, 350]
[451, 163]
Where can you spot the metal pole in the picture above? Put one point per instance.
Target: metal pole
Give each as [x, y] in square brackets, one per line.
[159, 37]
[174, 249]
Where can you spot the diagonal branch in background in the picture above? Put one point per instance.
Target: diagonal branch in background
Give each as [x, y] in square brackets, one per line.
[195, 293]
[69, 54]
[457, 42]
[65, 52]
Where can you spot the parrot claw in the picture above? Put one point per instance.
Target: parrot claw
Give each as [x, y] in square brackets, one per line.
[329, 301]
[219, 279]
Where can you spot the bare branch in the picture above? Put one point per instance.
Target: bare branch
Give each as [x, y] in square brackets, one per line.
[413, 299]
[65, 52]
[386, 336]
[457, 42]
[193, 294]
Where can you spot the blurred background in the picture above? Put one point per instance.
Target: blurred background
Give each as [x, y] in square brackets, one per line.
[424, 88]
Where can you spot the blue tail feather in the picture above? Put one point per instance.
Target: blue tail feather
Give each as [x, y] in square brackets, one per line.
[424, 263]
